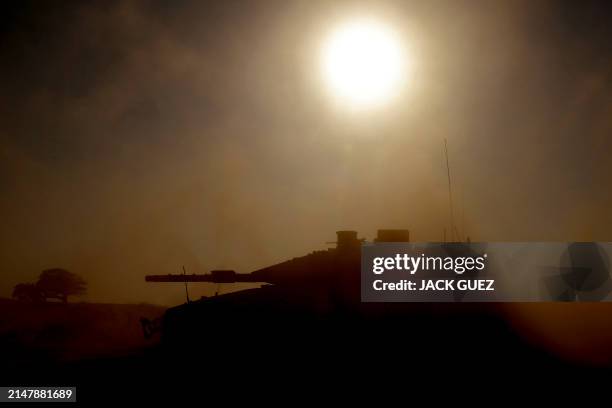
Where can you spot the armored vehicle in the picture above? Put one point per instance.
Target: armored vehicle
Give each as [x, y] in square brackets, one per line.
[309, 307]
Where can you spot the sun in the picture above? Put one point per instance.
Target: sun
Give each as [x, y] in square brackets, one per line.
[363, 63]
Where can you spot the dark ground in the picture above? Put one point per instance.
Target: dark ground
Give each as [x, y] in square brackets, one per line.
[101, 349]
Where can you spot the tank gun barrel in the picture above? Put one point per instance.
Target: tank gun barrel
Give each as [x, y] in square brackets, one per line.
[218, 276]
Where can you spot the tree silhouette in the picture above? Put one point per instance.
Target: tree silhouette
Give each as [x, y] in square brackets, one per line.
[59, 284]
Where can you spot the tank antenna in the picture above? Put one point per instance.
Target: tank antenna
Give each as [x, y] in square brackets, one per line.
[186, 290]
[450, 192]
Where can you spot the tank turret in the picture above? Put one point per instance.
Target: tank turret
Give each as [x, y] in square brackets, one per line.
[318, 267]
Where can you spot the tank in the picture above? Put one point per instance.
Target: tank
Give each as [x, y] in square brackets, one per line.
[308, 310]
[294, 294]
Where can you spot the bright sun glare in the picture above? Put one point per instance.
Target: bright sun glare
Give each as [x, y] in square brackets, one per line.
[363, 63]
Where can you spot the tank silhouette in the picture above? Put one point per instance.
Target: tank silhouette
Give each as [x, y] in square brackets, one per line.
[316, 288]
[308, 313]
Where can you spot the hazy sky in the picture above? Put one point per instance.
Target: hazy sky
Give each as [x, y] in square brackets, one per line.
[136, 137]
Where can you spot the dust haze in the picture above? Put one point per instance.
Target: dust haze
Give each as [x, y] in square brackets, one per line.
[137, 137]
